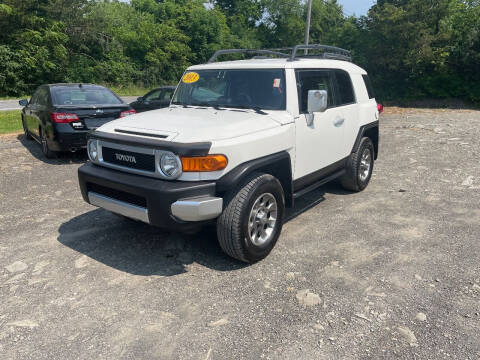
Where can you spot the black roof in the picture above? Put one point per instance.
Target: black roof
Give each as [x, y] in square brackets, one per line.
[74, 85]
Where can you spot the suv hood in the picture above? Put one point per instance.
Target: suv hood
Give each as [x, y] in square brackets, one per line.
[194, 124]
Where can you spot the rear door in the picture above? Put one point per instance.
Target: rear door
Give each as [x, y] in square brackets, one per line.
[318, 146]
[29, 109]
[347, 107]
[39, 110]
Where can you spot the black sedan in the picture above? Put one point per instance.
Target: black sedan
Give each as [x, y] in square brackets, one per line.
[156, 99]
[59, 116]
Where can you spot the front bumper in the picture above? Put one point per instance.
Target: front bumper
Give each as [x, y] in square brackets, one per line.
[162, 203]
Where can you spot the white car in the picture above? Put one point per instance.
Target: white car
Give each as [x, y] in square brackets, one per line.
[240, 141]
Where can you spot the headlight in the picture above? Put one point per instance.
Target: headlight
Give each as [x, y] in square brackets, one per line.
[170, 165]
[92, 149]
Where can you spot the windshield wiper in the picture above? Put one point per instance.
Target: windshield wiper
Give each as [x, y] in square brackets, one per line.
[258, 110]
[181, 104]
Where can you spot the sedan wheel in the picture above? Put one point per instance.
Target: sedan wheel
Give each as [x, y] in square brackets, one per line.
[45, 148]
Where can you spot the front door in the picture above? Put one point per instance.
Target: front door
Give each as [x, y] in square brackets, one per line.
[319, 145]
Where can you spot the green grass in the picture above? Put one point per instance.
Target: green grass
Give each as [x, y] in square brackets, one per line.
[129, 90]
[10, 121]
[14, 97]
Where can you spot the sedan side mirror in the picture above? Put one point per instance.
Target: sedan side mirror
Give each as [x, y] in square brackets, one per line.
[317, 102]
[23, 102]
[140, 99]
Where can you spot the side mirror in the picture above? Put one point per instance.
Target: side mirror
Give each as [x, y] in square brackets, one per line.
[23, 102]
[140, 99]
[317, 102]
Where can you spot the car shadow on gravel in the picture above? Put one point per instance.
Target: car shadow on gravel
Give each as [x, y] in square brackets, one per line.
[63, 158]
[140, 249]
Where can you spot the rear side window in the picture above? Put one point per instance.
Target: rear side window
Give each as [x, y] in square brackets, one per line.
[346, 95]
[313, 80]
[368, 84]
[41, 97]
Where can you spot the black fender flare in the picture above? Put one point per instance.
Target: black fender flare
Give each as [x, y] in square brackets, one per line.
[370, 130]
[278, 165]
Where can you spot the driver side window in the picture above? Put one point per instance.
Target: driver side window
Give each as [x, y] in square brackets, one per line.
[34, 99]
[154, 95]
[313, 80]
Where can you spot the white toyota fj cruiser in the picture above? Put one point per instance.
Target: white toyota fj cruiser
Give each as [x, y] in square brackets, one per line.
[240, 141]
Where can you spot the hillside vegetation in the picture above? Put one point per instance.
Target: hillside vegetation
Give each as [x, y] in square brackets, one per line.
[413, 49]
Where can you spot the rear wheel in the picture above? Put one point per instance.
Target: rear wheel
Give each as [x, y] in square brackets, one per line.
[25, 130]
[49, 154]
[251, 223]
[359, 167]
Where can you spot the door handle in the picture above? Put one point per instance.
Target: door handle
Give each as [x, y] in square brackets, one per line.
[339, 122]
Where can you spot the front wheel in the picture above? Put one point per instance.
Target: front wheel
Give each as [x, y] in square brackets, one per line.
[25, 130]
[359, 167]
[251, 223]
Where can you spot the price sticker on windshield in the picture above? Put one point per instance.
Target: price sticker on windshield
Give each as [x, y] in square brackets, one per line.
[190, 77]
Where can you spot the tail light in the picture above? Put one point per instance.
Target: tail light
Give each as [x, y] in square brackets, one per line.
[127, 113]
[380, 108]
[62, 118]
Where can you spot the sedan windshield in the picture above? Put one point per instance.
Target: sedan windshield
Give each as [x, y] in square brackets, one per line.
[69, 95]
[244, 89]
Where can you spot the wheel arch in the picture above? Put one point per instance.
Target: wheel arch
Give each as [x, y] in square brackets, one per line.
[371, 131]
[278, 165]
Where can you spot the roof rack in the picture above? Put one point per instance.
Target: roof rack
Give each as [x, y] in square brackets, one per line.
[328, 52]
[246, 51]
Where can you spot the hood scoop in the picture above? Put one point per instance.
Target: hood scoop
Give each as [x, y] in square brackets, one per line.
[150, 133]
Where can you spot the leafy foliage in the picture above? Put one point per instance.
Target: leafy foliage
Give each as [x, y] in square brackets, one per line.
[413, 49]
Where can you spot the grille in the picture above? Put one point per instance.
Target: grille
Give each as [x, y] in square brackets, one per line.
[118, 195]
[129, 159]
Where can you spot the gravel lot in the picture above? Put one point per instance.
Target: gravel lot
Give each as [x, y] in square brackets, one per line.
[392, 272]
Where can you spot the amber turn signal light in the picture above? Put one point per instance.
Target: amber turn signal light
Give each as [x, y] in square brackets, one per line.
[204, 163]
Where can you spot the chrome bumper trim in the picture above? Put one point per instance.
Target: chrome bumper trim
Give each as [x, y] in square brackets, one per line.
[119, 207]
[197, 209]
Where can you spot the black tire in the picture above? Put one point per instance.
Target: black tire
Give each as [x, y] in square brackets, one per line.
[233, 223]
[49, 154]
[25, 130]
[355, 179]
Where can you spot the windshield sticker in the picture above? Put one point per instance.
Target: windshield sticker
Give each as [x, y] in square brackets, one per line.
[190, 77]
[276, 83]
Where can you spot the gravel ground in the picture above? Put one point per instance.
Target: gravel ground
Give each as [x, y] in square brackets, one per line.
[392, 272]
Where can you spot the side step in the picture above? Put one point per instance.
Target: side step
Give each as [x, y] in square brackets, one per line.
[319, 183]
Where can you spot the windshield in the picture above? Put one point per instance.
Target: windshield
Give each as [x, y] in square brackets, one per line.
[70, 95]
[247, 89]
